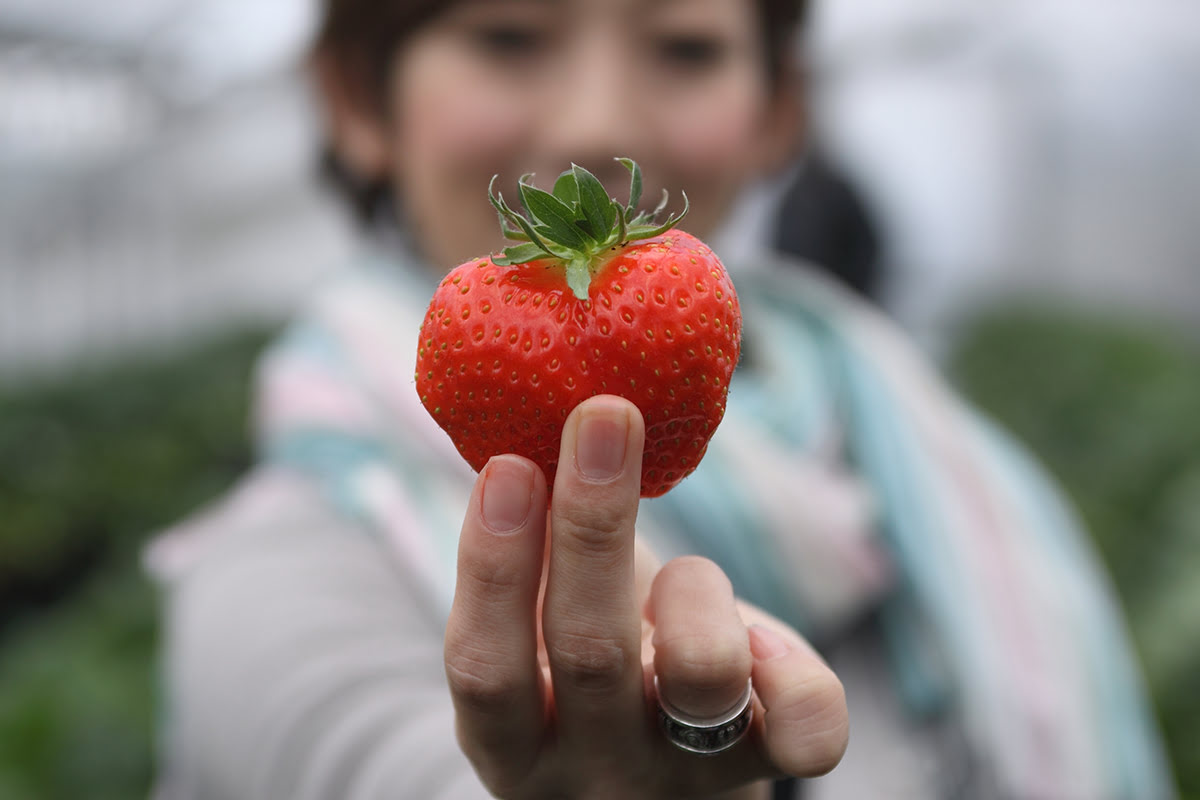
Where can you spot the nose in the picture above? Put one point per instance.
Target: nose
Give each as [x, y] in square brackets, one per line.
[594, 113]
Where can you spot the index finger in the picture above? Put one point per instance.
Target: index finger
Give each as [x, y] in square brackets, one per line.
[590, 618]
[491, 635]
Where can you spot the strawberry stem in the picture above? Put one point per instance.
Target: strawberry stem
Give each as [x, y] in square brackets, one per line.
[577, 223]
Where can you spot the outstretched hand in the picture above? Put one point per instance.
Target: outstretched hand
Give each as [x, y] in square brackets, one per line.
[561, 621]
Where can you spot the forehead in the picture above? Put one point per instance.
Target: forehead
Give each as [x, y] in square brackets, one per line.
[641, 6]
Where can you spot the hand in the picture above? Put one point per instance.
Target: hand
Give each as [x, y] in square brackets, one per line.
[553, 642]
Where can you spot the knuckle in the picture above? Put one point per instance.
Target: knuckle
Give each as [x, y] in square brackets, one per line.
[477, 683]
[588, 662]
[492, 577]
[818, 695]
[705, 662]
[591, 528]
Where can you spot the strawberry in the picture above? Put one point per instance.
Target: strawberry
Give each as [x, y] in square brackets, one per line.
[596, 299]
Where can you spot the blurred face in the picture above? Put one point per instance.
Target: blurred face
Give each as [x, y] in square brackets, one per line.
[516, 86]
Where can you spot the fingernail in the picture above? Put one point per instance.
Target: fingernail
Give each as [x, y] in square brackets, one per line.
[507, 494]
[600, 442]
[766, 644]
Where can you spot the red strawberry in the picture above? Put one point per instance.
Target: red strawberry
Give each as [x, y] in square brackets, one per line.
[596, 300]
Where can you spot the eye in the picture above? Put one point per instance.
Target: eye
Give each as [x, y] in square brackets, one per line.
[509, 40]
[691, 51]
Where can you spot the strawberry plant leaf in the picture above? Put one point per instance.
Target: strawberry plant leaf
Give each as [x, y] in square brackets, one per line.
[579, 276]
[566, 189]
[531, 233]
[556, 221]
[635, 185]
[577, 224]
[511, 233]
[594, 203]
[511, 223]
[662, 205]
[520, 254]
[650, 231]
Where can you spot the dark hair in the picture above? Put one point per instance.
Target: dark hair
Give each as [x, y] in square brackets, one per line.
[358, 37]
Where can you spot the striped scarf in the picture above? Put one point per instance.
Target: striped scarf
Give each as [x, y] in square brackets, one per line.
[844, 479]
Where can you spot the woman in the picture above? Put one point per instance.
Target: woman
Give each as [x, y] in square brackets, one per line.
[364, 618]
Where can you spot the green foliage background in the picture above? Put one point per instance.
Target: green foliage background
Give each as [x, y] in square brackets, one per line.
[1112, 408]
[91, 465]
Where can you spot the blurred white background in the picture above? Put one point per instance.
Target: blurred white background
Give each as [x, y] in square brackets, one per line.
[1025, 146]
[157, 162]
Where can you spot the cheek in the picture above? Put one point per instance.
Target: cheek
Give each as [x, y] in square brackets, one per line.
[448, 139]
[446, 121]
[716, 152]
[710, 148]
[718, 135]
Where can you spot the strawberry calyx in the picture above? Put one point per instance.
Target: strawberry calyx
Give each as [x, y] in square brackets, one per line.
[577, 224]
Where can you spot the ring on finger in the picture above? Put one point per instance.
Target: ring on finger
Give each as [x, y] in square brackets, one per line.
[705, 736]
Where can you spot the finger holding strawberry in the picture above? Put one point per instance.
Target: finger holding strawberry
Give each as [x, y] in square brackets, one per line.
[552, 661]
[595, 298]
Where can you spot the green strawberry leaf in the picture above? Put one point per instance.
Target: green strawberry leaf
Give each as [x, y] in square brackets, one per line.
[578, 223]
[532, 234]
[635, 184]
[506, 226]
[521, 254]
[508, 217]
[650, 231]
[598, 208]
[579, 276]
[555, 219]
[566, 189]
[622, 227]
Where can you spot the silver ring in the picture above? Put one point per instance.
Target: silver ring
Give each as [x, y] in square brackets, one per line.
[705, 736]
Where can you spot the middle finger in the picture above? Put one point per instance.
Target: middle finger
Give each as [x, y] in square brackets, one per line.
[590, 617]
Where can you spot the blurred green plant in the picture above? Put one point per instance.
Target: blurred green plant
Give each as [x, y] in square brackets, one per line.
[89, 464]
[77, 704]
[1112, 408]
[89, 467]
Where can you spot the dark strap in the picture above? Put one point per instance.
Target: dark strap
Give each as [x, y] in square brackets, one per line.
[786, 789]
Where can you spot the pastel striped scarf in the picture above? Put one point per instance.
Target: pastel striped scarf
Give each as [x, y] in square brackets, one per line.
[844, 478]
